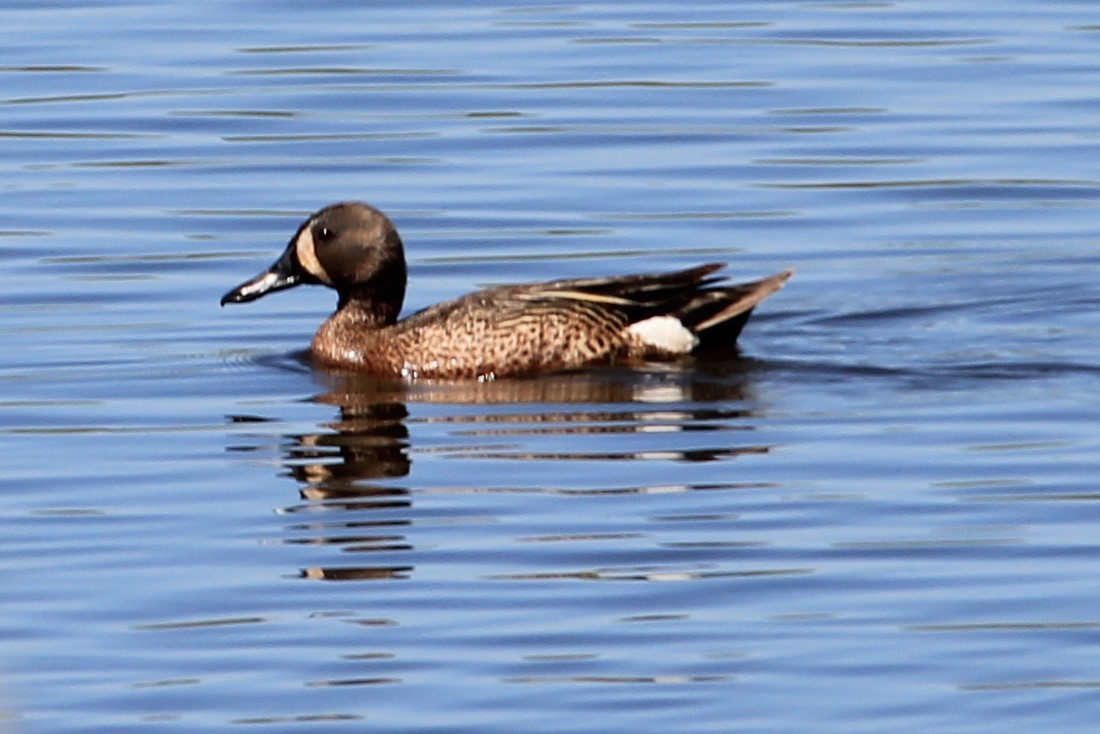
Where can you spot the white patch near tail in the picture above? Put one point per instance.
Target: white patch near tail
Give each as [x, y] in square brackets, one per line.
[665, 333]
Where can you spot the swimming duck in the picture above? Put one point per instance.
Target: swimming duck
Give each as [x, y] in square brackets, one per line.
[504, 331]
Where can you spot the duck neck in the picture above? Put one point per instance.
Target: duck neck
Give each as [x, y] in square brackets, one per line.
[377, 290]
[378, 299]
[371, 307]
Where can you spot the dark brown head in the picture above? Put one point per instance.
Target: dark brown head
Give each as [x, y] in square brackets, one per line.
[350, 247]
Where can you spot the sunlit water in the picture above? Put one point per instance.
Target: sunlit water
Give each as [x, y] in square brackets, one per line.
[880, 516]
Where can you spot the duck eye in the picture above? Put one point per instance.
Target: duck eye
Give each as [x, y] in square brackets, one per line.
[325, 234]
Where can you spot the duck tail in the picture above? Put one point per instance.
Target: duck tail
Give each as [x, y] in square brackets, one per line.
[716, 315]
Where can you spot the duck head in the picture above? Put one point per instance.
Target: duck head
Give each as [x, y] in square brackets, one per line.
[352, 248]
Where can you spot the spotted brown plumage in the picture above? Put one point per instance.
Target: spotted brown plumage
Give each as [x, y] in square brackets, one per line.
[503, 331]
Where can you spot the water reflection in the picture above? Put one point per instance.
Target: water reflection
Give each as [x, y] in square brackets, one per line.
[352, 471]
[343, 467]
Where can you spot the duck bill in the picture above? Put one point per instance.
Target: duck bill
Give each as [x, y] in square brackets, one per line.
[285, 273]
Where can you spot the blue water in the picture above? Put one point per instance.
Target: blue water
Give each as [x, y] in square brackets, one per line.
[880, 517]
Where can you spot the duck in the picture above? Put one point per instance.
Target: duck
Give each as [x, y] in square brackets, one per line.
[502, 331]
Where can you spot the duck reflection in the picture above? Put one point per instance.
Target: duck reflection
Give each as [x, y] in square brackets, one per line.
[350, 469]
[345, 470]
[668, 399]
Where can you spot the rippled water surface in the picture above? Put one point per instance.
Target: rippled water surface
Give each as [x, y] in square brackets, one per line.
[880, 516]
